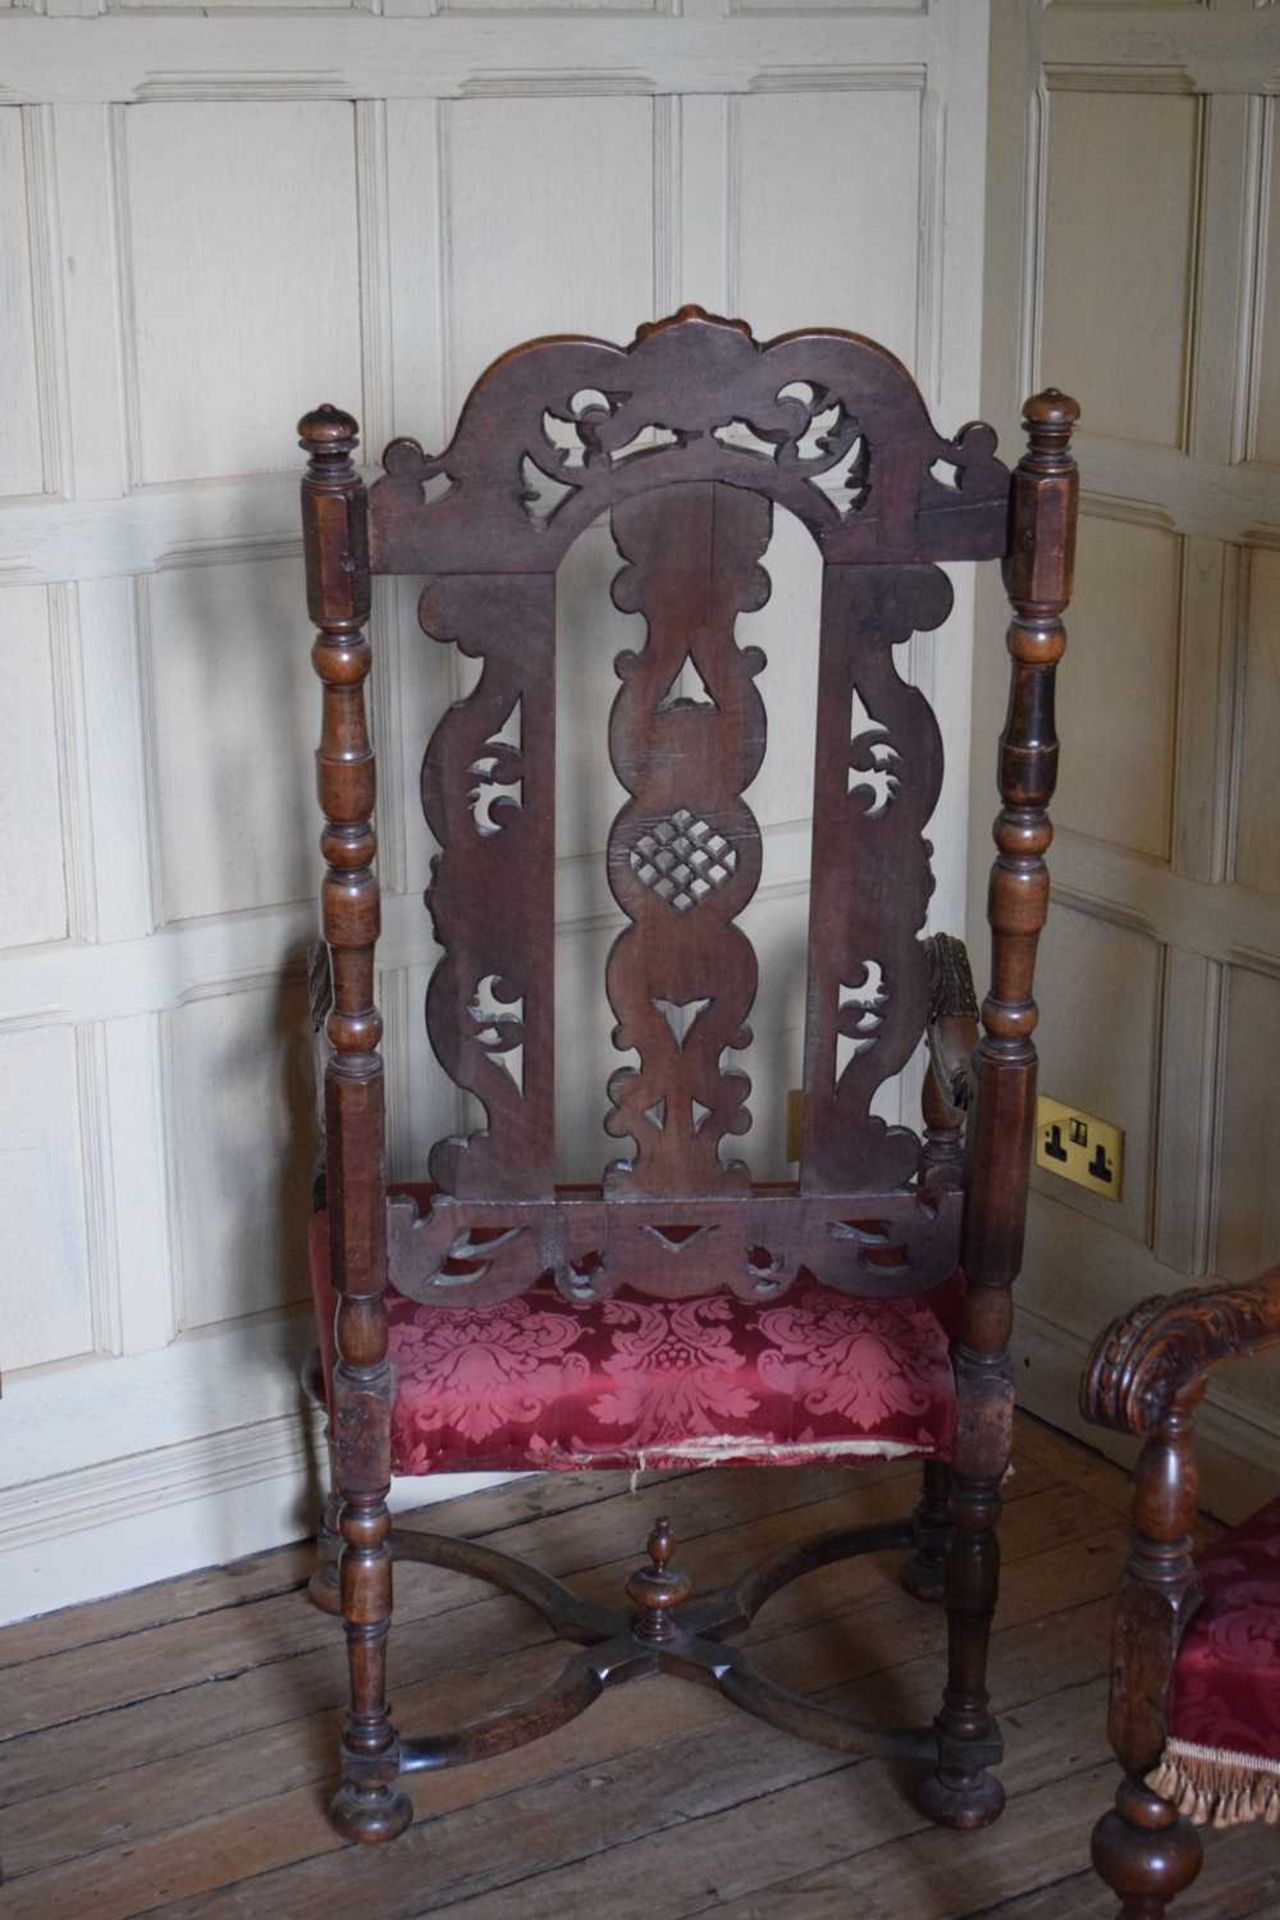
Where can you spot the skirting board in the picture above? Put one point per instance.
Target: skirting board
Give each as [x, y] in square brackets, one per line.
[125, 1523]
[235, 1464]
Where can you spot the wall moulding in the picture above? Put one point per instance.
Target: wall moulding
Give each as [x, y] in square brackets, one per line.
[155, 56]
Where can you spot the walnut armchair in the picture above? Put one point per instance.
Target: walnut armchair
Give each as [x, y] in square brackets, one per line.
[1195, 1670]
[677, 1312]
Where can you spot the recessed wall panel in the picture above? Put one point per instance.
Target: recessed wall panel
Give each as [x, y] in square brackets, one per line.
[244, 269]
[242, 1113]
[1258, 805]
[827, 212]
[20, 456]
[1266, 353]
[1117, 686]
[33, 900]
[1118, 252]
[1098, 987]
[550, 222]
[235, 716]
[1249, 1184]
[45, 1308]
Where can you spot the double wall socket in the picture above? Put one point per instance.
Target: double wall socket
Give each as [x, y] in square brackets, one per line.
[1079, 1146]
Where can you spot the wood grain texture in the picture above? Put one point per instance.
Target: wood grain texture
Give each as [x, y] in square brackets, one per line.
[224, 1815]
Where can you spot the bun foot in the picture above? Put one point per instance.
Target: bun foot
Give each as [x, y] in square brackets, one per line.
[922, 1574]
[370, 1814]
[959, 1800]
[322, 1587]
[1145, 1851]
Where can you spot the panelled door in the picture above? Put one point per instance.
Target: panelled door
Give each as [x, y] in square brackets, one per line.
[210, 220]
[1134, 258]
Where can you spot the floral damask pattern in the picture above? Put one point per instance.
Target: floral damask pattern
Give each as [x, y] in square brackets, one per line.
[482, 1369]
[861, 1360]
[539, 1381]
[1226, 1686]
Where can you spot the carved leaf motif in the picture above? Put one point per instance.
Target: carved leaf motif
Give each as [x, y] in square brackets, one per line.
[497, 1008]
[870, 758]
[859, 1015]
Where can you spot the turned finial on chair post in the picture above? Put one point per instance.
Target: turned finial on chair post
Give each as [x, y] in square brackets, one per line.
[659, 1588]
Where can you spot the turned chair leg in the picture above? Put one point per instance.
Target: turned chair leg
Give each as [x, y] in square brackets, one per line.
[1145, 1851]
[923, 1572]
[963, 1792]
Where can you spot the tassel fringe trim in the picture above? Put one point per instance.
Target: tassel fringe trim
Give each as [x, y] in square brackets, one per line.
[1213, 1787]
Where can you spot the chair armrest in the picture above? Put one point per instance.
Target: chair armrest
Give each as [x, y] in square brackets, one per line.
[1153, 1359]
[1145, 1376]
[952, 1031]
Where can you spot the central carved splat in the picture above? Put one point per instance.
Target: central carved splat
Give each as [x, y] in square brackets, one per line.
[684, 853]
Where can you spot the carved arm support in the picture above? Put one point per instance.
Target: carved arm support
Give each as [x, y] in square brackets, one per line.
[953, 1020]
[1145, 1376]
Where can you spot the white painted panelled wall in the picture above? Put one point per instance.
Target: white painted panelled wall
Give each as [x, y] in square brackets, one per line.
[211, 220]
[1133, 238]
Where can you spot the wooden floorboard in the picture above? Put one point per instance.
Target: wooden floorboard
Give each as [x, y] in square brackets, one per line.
[169, 1751]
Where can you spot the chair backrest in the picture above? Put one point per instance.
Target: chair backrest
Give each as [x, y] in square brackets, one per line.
[687, 440]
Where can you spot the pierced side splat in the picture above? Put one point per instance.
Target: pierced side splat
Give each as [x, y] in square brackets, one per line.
[877, 780]
[684, 853]
[488, 787]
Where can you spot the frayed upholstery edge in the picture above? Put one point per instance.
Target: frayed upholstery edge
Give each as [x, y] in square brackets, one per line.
[1213, 1787]
[731, 1449]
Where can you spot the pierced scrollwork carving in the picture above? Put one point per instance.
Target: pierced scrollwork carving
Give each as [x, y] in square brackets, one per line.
[754, 1246]
[1146, 1359]
[829, 425]
[688, 438]
[878, 776]
[487, 791]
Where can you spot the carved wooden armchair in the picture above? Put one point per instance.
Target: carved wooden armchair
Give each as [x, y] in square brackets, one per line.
[677, 1313]
[1195, 1668]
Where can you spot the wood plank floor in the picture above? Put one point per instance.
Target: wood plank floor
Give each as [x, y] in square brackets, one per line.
[169, 1751]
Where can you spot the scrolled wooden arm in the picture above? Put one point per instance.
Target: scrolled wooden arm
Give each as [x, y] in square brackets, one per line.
[1149, 1360]
[953, 1020]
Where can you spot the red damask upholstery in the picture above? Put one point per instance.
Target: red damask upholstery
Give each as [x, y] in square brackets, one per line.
[1222, 1763]
[539, 1382]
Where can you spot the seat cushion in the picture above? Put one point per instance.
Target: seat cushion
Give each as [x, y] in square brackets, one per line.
[539, 1381]
[1222, 1761]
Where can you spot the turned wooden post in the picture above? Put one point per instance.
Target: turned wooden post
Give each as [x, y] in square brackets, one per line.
[1143, 1848]
[367, 1806]
[1037, 575]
